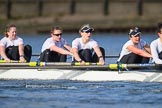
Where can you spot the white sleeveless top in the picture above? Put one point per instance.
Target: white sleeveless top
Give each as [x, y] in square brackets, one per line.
[50, 42]
[125, 51]
[6, 42]
[77, 43]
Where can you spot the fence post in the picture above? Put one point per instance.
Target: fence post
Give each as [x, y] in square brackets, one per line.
[8, 9]
[106, 5]
[140, 7]
[72, 7]
[39, 7]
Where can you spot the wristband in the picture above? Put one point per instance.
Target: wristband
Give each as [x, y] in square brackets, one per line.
[100, 57]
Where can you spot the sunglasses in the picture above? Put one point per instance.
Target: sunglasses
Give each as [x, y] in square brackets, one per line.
[58, 34]
[88, 31]
[160, 32]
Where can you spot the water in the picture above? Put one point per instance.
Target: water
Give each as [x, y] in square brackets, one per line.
[78, 94]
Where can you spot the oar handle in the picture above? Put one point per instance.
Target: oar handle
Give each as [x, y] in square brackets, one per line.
[85, 64]
[11, 61]
[62, 64]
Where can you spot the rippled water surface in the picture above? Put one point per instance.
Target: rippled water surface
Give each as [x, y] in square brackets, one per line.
[72, 94]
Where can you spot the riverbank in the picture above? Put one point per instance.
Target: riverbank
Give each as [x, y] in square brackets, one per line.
[38, 25]
[38, 16]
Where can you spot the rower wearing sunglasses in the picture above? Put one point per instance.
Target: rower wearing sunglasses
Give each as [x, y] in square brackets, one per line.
[86, 49]
[55, 48]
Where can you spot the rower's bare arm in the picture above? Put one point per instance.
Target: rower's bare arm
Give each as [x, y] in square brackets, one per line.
[21, 49]
[99, 54]
[147, 48]
[60, 50]
[76, 55]
[68, 47]
[139, 51]
[3, 54]
[21, 53]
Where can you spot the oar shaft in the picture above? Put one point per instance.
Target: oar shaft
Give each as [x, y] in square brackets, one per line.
[32, 64]
[106, 56]
[77, 65]
[143, 65]
[11, 61]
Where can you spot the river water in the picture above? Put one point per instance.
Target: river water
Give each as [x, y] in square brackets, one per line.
[78, 94]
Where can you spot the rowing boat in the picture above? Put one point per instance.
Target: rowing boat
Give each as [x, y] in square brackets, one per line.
[82, 75]
[88, 72]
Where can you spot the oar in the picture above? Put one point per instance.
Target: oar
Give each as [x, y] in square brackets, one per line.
[41, 64]
[11, 61]
[106, 56]
[65, 65]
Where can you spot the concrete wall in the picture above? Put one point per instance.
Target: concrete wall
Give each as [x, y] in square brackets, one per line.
[121, 8]
[107, 15]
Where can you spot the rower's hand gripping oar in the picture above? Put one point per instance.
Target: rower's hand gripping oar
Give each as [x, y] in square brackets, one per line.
[86, 64]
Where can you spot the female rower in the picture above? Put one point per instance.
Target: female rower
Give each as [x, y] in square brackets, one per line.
[12, 46]
[135, 50]
[156, 46]
[55, 48]
[86, 49]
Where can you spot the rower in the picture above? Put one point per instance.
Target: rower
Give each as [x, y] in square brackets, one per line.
[135, 50]
[156, 46]
[86, 49]
[55, 48]
[12, 46]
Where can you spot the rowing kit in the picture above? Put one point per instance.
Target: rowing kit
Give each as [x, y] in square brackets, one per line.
[76, 71]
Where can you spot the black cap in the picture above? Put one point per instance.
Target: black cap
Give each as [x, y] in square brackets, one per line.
[134, 32]
[86, 28]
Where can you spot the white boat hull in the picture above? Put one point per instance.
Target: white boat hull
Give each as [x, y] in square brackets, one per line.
[82, 75]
